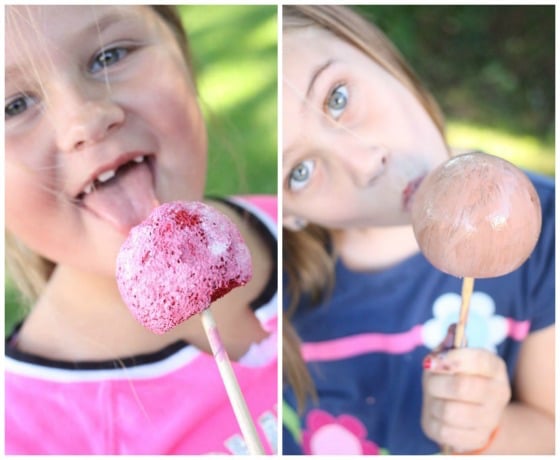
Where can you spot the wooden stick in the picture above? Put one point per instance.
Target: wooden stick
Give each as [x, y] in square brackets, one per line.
[236, 399]
[460, 340]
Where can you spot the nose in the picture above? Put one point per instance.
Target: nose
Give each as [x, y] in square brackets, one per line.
[365, 163]
[83, 114]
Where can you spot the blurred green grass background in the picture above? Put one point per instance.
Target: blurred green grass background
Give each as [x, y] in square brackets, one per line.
[235, 54]
[491, 68]
[234, 49]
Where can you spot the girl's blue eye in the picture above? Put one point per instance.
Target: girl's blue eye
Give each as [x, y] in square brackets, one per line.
[301, 175]
[107, 58]
[17, 106]
[337, 101]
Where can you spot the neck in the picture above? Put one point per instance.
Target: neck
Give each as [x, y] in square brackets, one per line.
[375, 248]
[74, 292]
[81, 316]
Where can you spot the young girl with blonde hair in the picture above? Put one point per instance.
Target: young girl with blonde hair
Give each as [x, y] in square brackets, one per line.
[103, 124]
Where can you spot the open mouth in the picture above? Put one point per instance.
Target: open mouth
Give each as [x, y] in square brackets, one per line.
[108, 176]
[123, 196]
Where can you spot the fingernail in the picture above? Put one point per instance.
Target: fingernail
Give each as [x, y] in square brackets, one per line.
[441, 362]
[428, 362]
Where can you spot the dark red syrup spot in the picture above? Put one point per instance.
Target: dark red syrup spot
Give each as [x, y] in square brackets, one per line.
[223, 290]
[184, 219]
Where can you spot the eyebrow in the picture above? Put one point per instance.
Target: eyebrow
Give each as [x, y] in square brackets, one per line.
[106, 20]
[316, 74]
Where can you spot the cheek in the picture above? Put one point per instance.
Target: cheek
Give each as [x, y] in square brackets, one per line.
[417, 125]
[182, 132]
[175, 117]
[170, 100]
[180, 116]
[174, 112]
[34, 182]
[26, 196]
[30, 170]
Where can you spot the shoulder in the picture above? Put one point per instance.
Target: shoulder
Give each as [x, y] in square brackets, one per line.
[259, 203]
[261, 210]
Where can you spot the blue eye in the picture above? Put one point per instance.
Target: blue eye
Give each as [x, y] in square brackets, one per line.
[107, 58]
[18, 105]
[337, 101]
[301, 175]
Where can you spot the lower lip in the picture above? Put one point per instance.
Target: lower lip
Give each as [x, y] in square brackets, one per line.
[409, 192]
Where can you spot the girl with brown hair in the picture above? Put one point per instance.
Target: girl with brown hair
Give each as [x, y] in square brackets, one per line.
[364, 309]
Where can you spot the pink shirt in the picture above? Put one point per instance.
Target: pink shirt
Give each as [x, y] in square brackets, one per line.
[171, 402]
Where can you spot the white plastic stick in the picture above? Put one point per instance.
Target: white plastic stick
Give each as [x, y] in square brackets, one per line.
[236, 399]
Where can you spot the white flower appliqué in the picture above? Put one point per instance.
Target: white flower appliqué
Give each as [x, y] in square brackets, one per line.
[484, 329]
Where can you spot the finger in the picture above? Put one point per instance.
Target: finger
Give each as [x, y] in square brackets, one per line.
[465, 388]
[462, 415]
[460, 439]
[474, 361]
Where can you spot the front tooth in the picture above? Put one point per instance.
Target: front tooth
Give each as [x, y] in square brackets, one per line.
[104, 177]
[88, 189]
[138, 159]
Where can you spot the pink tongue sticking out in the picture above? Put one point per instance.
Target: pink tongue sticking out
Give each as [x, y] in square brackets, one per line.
[126, 200]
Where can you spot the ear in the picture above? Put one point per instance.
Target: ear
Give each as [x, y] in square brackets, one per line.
[294, 223]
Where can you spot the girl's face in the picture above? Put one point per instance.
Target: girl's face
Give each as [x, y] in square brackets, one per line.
[102, 124]
[356, 142]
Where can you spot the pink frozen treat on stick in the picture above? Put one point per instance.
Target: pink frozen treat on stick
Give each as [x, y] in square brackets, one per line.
[172, 266]
[476, 216]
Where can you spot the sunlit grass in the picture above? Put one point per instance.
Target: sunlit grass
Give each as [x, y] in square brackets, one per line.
[244, 79]
[525, 151]
[235, 56]
[245, 57]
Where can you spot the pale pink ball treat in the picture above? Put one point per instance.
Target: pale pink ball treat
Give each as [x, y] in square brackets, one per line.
[173, 265]
[476, 216]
